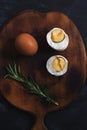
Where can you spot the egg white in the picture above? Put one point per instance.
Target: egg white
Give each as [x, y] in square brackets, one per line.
[51, 70]
[60, 45]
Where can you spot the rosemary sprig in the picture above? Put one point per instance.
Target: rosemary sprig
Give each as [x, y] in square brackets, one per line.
[30, 85]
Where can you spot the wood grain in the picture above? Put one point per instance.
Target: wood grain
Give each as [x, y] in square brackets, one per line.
[65, 88]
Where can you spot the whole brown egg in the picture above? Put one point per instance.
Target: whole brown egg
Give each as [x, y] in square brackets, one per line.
[26, 44]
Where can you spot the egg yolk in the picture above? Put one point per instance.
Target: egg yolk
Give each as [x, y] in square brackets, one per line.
[57, 35]
[59, 64]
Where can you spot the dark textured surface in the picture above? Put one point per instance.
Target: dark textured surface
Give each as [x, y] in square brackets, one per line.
[74, 117]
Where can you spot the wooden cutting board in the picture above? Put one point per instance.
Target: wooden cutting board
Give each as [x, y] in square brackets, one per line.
[65, 88]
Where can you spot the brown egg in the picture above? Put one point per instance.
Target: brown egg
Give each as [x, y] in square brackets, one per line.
[26, 44]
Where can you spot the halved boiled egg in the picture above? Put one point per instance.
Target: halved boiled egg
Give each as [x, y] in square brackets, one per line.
[57, 65]
[57, 39]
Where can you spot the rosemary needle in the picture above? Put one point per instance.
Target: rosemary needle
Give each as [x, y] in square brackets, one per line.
[30, 85]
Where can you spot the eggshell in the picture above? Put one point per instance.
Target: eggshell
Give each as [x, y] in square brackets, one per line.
[26, 44]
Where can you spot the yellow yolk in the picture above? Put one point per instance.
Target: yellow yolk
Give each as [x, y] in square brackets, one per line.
[59, 64]
[57, 35]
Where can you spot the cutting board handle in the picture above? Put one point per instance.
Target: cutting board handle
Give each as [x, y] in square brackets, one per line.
[39, 124]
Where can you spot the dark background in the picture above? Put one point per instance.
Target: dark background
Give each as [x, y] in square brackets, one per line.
[74, 116]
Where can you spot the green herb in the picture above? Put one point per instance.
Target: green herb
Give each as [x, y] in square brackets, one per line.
[29, 84]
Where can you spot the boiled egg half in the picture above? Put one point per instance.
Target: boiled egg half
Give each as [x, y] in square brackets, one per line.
[57, 65]
[57, 39]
